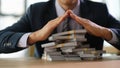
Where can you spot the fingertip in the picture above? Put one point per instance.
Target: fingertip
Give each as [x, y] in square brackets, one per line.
[66, 13]
[72, 15]
[63, 17]
[68, 10]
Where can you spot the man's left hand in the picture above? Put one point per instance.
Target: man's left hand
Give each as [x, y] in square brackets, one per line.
[91, 27]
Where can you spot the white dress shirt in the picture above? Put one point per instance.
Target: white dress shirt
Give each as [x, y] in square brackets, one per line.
[60, 11]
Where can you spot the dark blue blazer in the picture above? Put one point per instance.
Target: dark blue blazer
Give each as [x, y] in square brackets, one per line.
[40, 13]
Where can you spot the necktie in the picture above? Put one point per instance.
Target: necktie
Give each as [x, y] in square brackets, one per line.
[66, 26]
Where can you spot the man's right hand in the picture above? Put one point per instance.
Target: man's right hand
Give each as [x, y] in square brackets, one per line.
[44, 33]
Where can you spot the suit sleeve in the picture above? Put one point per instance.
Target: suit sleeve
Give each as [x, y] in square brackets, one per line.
[114, 25]
[10, 36]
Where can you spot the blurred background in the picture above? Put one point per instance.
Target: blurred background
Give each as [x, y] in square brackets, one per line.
[12, 10]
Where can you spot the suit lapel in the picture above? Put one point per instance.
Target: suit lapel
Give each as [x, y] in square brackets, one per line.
[83, 9]
[86, 11]
[51, 13]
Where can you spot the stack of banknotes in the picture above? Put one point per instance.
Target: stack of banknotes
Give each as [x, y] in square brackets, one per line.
[70, 45]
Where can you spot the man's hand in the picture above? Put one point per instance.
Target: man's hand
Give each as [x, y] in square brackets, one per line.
[43, 33]
[91, 27]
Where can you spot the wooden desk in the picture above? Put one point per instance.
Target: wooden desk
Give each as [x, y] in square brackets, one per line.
[107, 62]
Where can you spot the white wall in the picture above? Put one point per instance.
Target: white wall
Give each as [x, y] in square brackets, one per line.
[13, 7]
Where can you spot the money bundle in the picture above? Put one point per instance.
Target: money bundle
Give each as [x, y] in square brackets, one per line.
[70, 45]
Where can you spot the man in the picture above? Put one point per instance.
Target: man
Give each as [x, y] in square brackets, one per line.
[44, 19]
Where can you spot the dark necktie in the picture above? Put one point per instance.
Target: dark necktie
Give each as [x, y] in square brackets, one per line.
[66, 26]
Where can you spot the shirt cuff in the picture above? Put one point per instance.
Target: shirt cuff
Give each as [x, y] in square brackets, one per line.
[23, 41]
[114, 38]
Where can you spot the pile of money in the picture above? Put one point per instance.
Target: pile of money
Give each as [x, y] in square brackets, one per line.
[70, 45]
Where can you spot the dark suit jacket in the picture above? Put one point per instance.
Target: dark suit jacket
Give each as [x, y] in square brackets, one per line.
[40, 13]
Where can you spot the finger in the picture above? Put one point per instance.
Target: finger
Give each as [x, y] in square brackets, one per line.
[69, 12]
[62, 18]
[77, 18]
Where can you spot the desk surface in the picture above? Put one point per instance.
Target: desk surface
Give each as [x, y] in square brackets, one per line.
[107, 62]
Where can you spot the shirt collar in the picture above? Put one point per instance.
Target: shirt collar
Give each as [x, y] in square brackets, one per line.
[60, 11]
